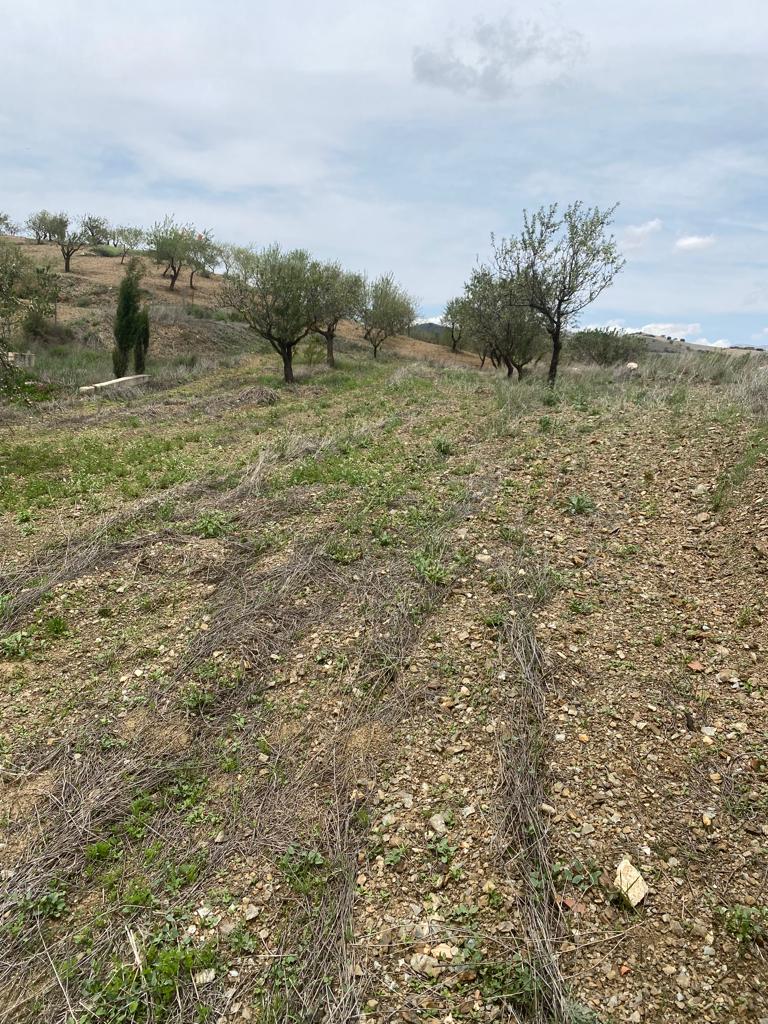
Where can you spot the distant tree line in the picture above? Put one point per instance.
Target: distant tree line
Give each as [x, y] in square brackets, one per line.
[284, 296]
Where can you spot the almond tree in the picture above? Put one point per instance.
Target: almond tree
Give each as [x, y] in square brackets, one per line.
[338, 295]
[561, 264]
[69, 240]
[203, 255]
[275, 293]
[128, 239]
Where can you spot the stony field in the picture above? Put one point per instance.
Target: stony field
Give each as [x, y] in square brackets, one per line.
[344, 701]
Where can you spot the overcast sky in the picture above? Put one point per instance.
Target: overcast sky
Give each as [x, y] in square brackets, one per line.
[397, 136]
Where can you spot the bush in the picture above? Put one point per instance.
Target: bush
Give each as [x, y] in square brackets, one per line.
[37, 327]
[605, 348]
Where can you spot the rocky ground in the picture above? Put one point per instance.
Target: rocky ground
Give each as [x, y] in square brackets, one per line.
[346, 701]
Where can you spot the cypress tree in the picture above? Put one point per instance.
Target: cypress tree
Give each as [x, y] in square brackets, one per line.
[142, 341]
[126, 317]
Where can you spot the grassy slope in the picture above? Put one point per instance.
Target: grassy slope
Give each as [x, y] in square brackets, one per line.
[264, 721]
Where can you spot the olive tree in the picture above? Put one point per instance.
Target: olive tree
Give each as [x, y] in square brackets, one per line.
[274, 292]
[561, 264]
[173, 244]
[499, 322]
[338, 294]
[386, 309]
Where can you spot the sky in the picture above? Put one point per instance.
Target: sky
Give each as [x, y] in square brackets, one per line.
[398, 136]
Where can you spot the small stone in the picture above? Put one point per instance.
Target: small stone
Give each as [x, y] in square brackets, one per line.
[630, 882]
[251, 912]
[437, 822]
[422, 963]
[205, 977]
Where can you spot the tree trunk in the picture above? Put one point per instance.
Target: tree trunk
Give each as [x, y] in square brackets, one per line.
[329, 356]
[483, 357]
[67, 258]
[174, 275]
[556, 346]
[287, 354]
[165, 272]
[520, 371]
[191, 277]
[122, 259]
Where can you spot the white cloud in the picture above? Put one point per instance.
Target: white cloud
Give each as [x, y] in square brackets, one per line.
[760, 335]
[494, 58]
[694, 243]
[636, 235]
[672, 330]
[720, 343]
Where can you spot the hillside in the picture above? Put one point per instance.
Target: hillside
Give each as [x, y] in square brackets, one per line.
[344, 701]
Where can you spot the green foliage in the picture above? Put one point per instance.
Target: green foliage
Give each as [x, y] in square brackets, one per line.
[212, 524]
[141, 345]
[498, 321]
[561, 263]
[194, 697]
[7, 226]
[580, 504]
[442, 446]
[127, 320]
[606, 347]
[16, 646]
[51, 904]
[732, 478]
[131, 993]
[275, 292]
[430, 566]
[305, 869]
[337, 295]
[385, 309]
[173, 245]
[746, 924]
[96, 229]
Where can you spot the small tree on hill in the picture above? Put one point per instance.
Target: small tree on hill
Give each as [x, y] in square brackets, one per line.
[386, 310]
[7, 226]
[37, 225]
[127, 239]
[69, 240]
[126, 319]
[96, 229]
[338, 295]
[203, 255]
[453, 320]
[500, 323]
[561, 264]
[273, 291]
[173, 244]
